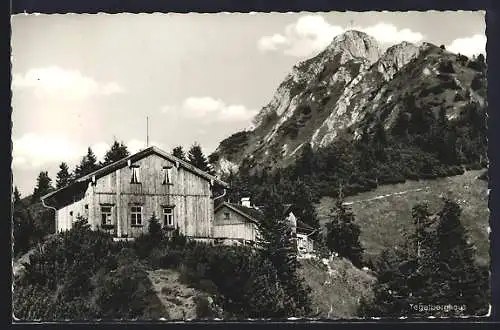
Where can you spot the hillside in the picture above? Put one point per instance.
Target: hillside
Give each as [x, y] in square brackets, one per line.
[385, 213]
[350, 87]
[337, 286]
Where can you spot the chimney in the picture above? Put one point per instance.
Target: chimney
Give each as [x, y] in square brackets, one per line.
[245, 201]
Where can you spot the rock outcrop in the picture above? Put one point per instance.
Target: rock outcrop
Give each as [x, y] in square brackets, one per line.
[351, 82]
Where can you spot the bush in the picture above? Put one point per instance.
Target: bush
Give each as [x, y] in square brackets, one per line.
[82, 274]
[203, 308]
[459, 97]
[171, 259]
[477, 82]
[473, 166]
[446, 67]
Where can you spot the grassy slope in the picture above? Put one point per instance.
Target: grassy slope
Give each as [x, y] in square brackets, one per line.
[383, 220]
[336, 294]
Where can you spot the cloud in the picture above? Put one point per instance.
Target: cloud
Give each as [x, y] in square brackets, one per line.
[312, 33]
[210, 109]
[469, 46]
[99, 149]
[136, 145]
[271, 42]
[34, 150]
[60, 83]
[388, 33]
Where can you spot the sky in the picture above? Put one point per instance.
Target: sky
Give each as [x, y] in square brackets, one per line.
[83, 80]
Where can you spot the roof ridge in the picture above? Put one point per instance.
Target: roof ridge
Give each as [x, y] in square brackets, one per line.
[140, 153]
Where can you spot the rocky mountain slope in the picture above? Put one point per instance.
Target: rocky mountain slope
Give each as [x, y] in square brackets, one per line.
[350, 86]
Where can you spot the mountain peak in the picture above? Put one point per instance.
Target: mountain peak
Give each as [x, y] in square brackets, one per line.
[357, 44]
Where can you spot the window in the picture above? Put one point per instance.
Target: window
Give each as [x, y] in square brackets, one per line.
[167, 175]
[168, 216]
[135, 175]
[227, 215]
[136, 215]
[106, 215]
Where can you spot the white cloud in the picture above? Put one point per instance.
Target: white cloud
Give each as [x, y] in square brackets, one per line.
[60, 83]
[211, 109]
[469, 46]
[99, 149]
[136, 145]
[388, 33]
[312, 33]
[34, 150]
[271, 42]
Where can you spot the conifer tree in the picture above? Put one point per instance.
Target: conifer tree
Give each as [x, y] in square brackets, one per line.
[436, 266]
[16, 197]
[302, 201]
[43, 186]
[87, 165]
[278, 244]
[23, 229]
[117, 151]
[197, 158]
[343, 233]
[264, 292]
[456, 262]
[305, 165]
[63, 177]
[179, 153]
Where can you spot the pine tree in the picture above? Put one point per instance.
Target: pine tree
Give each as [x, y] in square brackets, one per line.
[87, 165]
[264, 293]
[198, 159]
[380, 142]
[117, 151]
[390, 290]
[63, 177]
[179, 153]
[277, 243]
[457, 268]
[305, 164]
[302, 201]
[343, 233]
[16, 197]
[435, 266]
[23, 229]
[43, 186]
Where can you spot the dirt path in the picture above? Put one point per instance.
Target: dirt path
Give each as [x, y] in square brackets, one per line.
[387, 195]
[177, 298]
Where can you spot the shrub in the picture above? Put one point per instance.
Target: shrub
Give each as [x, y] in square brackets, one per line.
[473, 166]
[82, 274]
[203, 308]
[477, 82]
[459, 97]
[171, 259]
[446, 67]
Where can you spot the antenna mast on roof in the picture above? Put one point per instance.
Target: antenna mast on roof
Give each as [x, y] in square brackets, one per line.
[147, 131]
[351, 24]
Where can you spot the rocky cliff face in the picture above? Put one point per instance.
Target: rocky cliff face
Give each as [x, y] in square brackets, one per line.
[351, 82]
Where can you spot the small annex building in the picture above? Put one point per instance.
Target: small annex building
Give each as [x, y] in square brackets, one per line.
[238, 223]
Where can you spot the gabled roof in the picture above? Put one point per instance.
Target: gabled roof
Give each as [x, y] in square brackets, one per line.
[133, 158]
[257, 216]
[249, 213]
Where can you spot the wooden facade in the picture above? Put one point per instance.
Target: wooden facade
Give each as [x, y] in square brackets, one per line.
[239, 222]
[122, 197]
[234, 225]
